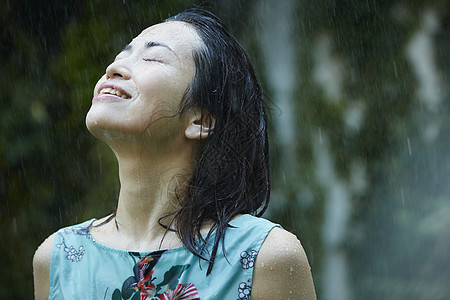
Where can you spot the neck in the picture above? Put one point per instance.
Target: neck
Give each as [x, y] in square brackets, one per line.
[149, 185]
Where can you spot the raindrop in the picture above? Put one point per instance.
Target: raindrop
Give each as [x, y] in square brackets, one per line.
[60, 216]
[14, 225]
[409, 147]
[320, 136]
[395, 69]
[403, 197]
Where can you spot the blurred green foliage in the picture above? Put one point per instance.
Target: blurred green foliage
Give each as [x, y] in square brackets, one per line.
[53, 173]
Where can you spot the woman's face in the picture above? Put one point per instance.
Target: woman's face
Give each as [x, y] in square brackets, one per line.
[140, 94]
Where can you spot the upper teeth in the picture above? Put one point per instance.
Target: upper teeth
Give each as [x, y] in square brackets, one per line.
[114, 92]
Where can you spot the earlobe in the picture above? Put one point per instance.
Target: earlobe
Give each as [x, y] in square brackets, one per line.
[200, 126]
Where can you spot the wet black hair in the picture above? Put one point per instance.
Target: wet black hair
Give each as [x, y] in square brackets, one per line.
[232, 175]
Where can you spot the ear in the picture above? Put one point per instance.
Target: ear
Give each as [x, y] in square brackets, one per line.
[201, 124]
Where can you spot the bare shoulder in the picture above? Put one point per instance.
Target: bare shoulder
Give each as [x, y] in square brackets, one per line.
[282, 269]
[41, 268]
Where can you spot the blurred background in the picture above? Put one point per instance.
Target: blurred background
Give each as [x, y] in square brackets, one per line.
[359, 97]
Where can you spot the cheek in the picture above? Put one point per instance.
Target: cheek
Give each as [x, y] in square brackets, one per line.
[164, 93]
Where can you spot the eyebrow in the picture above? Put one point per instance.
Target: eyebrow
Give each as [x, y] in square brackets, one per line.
[149, 45]
[156, 44]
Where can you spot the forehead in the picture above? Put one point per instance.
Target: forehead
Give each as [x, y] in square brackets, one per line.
[181, 37]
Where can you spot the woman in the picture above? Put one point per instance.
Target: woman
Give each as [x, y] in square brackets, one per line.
[183, 112]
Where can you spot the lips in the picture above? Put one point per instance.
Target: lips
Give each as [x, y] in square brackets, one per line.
[108, 89]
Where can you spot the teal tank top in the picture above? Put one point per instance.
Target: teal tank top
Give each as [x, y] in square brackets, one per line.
[82, 268]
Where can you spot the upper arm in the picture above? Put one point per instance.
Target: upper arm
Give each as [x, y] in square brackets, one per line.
[281, 269]
[41, 268]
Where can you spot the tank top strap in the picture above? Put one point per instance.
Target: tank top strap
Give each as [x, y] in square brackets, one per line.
[234, 268]
[68, 250]
[246, 235]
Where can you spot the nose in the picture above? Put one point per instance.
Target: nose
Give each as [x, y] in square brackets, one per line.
[117, 69]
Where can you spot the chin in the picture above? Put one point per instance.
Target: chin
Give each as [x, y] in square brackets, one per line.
[99, 125]
[93, 121]
[106, 128]
[95, 128]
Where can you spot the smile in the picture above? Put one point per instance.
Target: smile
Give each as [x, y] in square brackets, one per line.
[116, 92]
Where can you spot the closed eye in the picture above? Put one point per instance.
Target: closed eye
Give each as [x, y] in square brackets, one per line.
[152, 59]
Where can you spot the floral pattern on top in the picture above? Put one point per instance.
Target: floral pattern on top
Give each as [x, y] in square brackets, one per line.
[244, 291]
[247, 262]
[248, 259]
[185, 292]
[74, 255]
[141, 286]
